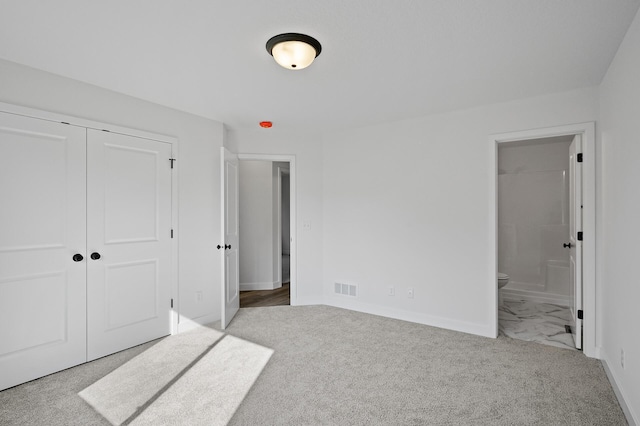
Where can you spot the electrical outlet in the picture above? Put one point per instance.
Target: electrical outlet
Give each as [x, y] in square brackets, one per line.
[392, 291]
[410, 293]
[622, 358]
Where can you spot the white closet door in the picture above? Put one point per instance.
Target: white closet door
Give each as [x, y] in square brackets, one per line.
[42, 227]
[129, 225]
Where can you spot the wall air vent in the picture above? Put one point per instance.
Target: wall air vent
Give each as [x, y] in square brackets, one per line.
[346, 289]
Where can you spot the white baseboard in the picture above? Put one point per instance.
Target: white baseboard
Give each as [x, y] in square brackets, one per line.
[535, 296]
[306, 301]
[632, 418]
[486, 330]
[260, 286]
[186, 324]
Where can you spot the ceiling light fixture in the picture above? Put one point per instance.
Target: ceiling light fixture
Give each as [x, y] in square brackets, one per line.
[293, 51]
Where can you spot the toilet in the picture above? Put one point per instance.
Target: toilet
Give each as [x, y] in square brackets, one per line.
[503, 279]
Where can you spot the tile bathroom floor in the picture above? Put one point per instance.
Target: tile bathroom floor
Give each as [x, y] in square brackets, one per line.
[536, 322]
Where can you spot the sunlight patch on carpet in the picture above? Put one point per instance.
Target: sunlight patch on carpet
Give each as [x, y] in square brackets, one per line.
[197, 377]
[211, 391]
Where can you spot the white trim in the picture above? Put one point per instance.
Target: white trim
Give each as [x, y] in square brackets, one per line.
[175, 265]
[96, 125]
[632, 418]
[278, 233]
[81, 122]
[260, 286]
[587, 131]
[338, 301]
[187, 323]
[291, 159]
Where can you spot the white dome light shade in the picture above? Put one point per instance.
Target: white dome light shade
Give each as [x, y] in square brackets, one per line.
[293, 51]
[294, 55]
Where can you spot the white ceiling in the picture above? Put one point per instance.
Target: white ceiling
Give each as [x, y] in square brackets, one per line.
[381, 60]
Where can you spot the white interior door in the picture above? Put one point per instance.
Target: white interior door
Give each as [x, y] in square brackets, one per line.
[128, 241]
[575, 245]
[42, 227]
[230, 232]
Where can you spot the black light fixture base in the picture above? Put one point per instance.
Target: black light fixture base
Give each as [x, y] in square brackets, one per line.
[293, 37]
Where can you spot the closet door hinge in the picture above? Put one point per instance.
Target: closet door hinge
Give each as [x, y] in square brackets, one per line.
[172, 303]
[172, 160]
[580, 236]
[580, 314]
[172, 233]
[579, 157]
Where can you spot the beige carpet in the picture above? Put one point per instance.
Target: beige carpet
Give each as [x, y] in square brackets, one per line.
[336, 367]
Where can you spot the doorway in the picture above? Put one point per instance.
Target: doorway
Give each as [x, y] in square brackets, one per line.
[264, 218]
[534, 217]
[541, 278]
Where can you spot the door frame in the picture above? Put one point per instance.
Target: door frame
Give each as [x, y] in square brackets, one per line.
[90, 124]
[291, 159]
[278, 221]
[587, 131]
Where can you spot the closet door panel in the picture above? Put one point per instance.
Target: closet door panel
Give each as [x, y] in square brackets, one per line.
[129, 224]
[42, 227]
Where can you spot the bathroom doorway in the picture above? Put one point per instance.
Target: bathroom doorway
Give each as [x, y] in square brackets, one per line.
[534, 209]
[537, 240]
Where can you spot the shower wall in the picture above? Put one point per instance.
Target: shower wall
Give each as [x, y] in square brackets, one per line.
[533, 219]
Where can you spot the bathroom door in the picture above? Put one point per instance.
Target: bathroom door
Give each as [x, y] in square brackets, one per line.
[575, 244]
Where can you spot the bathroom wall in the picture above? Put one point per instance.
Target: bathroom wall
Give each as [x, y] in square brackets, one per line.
[533, 219]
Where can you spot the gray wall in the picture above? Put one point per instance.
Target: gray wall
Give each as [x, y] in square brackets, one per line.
[411, 204]
[619, 228]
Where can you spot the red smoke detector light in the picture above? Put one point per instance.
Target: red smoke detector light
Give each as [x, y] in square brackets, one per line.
[266, 124]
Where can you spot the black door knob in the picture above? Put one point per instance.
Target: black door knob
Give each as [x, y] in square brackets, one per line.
[219, 246]
[567, 245]
[227, 247]
[77, 257]
[95, 255]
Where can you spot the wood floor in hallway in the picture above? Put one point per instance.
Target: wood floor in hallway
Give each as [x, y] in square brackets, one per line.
[261, 298]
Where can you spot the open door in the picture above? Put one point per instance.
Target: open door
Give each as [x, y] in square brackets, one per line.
[229, 247]
[575, 236]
